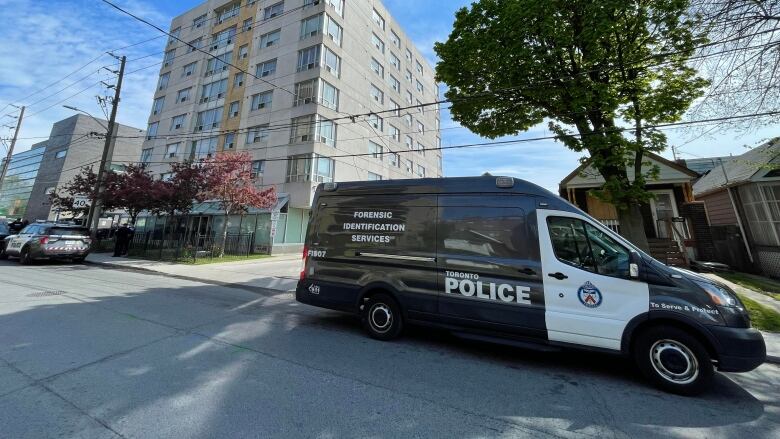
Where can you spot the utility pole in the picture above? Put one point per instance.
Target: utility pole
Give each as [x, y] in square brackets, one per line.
[11, 148]
[108, 152]
[674, 153]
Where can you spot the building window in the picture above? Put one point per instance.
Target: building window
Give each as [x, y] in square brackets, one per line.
[311, 26]
[377, 68]
[329, 95]
[420, 87]
[177, 122]
[213, 90]
[233, 109]
[395, 61]
[408, 56]
[302, 129]
[195, 44]
[395, 84]
[326, 132]
[374, 177]
[218, 64]
[228, 12]
[258, 166]
[308, 58]
[62, 153]
[199, 21]
[375, 150]
[409, 143]
[337, 5]
[420, 171]
[395, 159]
[409, 97]
[263, 100]
[171, 150]
[305, 92]
[419, 67]
[420, 106]
[203, 148]
[183, 95]
[166, 176]
[378, 19]
[243, 51]
[409, 166]
[146, 155]
[395, 107]
[247, 26]
[230, 140]
[257, 134]
[266, 68]
[395, 133]
[273, 11]
[761, 203]
[332, 62]
[420, 148]
[408, 76]
[238, 80]
[378, 43]
[310, 167]
[223, 39]
[420, 127]
[157, 106]
[162, 84]
[271, 38]
[151, 130]
[376, 122]
[168, 58]
[174, 35]
[334, 30]
[408, 120]
[209, 119]
[189, 69]
[377, 94]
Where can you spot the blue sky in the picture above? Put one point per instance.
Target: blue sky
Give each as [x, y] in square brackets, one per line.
[43, 41]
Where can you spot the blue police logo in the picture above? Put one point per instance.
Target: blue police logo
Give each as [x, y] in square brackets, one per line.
[589, 295]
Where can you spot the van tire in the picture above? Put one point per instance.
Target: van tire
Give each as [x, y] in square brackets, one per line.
[24, 257]
[382, 317]
[674, 360]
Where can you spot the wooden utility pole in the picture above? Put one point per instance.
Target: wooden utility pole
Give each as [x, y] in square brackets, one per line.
[108, 152]
[11, 148]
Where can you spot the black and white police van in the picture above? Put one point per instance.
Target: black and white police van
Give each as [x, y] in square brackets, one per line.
[500, 259]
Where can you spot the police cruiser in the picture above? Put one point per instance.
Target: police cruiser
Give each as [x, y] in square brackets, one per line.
[501, 259]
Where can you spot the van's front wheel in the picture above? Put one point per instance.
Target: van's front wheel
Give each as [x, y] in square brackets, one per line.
[674, 360]
[382, 317]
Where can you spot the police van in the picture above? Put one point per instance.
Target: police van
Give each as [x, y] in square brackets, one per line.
[500, 259]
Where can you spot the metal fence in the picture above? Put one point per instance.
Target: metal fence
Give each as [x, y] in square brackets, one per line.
[153, 246]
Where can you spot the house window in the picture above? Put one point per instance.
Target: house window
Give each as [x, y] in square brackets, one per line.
[233, 109]
[218, 64]
[213, 90]
[189, 69]
[378, 43]
[335, 31]
[761, 203]
[258, 166]
[302, 129]
[183, 95]
[62, 153]
[374, 177]
[308, 58]
[273, 11]
[377, 94]
[263, 100]
[311, 26]
[305, 92]
[376, 122]
[209, 119]
[230, 141]
[203, 148]
[171, 150]
[146, 155]
[326, 132]
[395, 62]
[395, 84]
[177, 122]
[238, 80]
[162, 84]
[157, 106]
[151, 130]
[257, 134]
[168, 58]
[378, 19]
[377, 68]
[271, 38]
[329, 95]
[332, 62]
[243, 51]
[395, 39]
[223, 39]
[266, 68]
[375, 150]
[395, 133]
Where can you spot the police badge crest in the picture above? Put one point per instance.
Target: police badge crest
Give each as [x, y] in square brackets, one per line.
[589, 295]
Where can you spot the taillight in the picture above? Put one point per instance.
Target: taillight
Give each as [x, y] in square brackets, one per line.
[43, 240]
[304, 259]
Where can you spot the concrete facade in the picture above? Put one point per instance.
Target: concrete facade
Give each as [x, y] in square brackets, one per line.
[69, 149]
[373, 53]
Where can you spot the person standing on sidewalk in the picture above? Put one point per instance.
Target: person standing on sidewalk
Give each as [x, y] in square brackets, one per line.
[122, 236]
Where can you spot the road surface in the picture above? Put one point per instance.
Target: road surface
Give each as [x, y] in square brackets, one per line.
[95, 352]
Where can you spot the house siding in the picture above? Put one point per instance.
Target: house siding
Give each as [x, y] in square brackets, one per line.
[719, 209]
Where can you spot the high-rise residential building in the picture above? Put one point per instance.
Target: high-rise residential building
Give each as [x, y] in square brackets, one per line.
[281, 80]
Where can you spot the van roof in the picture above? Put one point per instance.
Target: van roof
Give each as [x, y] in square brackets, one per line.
[483, 184]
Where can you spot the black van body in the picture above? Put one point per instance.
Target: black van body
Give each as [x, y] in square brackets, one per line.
[501, 259]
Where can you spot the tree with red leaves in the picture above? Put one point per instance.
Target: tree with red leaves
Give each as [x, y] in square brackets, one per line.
[177, 195]
[133, 190]
[229, 182]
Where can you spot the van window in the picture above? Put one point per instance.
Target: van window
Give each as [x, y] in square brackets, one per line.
[578, 243]
[483, 231]
[69, 231]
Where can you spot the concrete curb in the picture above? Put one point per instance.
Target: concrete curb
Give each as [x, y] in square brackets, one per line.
[257, 290]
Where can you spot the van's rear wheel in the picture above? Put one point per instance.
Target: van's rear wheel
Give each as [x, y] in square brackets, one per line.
[674, 360]
[382, 317]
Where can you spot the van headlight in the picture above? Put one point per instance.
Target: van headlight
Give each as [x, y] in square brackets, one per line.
[719, 295]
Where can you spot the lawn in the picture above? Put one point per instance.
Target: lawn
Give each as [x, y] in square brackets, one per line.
[761, 316]
[756, 283]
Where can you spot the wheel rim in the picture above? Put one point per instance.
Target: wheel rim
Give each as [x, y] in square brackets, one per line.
[381, 317]
[674, 362]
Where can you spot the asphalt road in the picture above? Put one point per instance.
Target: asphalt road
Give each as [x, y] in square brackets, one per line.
[93, 352]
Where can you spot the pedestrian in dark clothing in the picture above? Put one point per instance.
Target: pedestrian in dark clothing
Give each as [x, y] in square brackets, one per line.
[122, 236]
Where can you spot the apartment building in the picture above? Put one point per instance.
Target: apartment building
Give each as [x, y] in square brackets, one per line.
[281, 80]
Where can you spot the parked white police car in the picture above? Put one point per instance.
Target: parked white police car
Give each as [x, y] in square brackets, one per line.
[502, 259]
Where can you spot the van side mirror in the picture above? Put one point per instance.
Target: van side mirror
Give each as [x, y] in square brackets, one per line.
[633, 267]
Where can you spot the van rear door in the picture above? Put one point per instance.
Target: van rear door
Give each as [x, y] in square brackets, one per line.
[589, 295]
[489, 264]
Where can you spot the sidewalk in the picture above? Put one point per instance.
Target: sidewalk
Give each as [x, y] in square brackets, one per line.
[277, 273]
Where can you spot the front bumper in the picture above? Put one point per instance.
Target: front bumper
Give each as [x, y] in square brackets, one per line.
[739, 349]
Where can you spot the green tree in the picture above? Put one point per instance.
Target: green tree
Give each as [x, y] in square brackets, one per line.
[601, 73]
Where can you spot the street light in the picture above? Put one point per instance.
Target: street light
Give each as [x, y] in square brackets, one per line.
[93, 117]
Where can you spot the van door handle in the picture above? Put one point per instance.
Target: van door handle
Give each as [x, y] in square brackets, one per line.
[526, 271]
[559, 276]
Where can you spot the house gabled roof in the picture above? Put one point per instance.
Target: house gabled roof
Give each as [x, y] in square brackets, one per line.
[740, 169]
[595, 178]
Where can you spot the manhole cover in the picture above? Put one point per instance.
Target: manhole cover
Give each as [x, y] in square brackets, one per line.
[46, 293]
